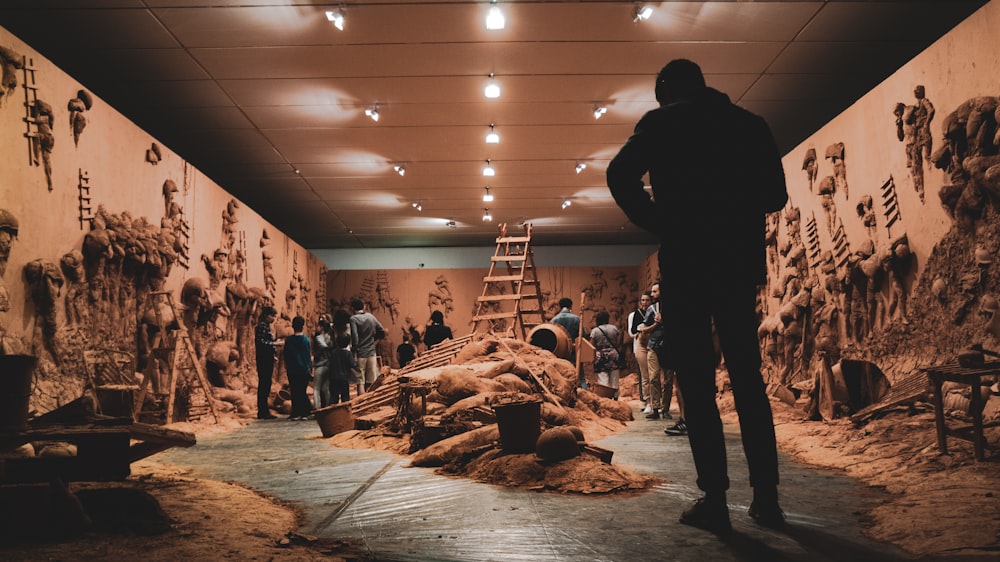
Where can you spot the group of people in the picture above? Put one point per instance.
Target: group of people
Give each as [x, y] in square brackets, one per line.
[342, 350]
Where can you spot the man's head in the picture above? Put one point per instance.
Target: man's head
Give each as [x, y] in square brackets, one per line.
[679, 79]
[654, 291]
[357, 304]
[268, 314]
[298, 323]
[565, 303]
[437, 317]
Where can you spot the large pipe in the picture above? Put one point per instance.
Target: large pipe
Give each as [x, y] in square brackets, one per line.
[552, 337]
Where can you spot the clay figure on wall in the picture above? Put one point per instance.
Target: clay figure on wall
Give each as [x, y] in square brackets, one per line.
[827, 188]
[973, 283]
[866, 213]
[42, 142]
[267, 260]
[970, 132]
[45, 282]
[229, 221]
[77, 121]
[8, 234]
[75, 274]
[440, 298]
[913, 128]
[811, 167]
[97, 250]
[153, 154]
[836, 154]
[11, 61]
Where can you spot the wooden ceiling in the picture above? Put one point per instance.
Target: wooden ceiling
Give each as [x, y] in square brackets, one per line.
[268, 98]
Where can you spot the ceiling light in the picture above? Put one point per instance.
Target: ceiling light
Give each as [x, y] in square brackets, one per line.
[337, 17]
[599, 110]
[487, 197]
[492, 88]
[451, 224]
[494, 19]
[416, 205]
[492, 137]
[641, 13]
[488, 169]
[400, 170]
[580, 167]
[566, 203]
[372, 112]
[487, 217]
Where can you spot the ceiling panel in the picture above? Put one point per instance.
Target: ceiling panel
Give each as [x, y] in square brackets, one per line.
[268, 98]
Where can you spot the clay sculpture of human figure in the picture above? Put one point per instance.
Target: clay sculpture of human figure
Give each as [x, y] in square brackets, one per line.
[710, 221]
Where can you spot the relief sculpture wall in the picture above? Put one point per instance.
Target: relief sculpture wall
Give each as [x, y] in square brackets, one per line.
[899, 269]
[99, 224]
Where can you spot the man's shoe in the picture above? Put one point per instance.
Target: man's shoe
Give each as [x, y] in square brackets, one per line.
[767, 514]
[679, 428]
[267, 417]
[654, 415]
[709, 514]
[666, 415]
[647, 410]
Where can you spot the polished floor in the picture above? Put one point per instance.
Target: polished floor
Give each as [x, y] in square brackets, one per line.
[397, 513]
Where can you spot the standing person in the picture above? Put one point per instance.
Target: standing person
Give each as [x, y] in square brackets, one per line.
[342, 366]
[652, 333]
[710, 220]
[364, 328]
[571, 322]
[635, 319]
[266, 355]
[322, 348]
[607, 359]
[298, 367]
[436, 332]
[405, 352]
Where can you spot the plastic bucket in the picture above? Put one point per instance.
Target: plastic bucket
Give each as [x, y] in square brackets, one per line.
[334, 419]
[15, 375]
[519, 424]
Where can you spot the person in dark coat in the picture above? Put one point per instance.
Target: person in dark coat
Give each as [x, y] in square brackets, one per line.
[716, 173]
[298, 366]
[436, 332]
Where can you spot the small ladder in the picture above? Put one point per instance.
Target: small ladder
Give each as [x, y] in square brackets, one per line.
[520, 308]
[184, 353]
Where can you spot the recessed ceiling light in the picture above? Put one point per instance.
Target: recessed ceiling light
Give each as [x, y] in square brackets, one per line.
[492, 137]
[494, 18]
[336, 17]
[416, 205]
[492, 89]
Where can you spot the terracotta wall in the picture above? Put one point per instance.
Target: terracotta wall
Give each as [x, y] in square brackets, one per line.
[400, 298]
[892, 214]
[105, 215]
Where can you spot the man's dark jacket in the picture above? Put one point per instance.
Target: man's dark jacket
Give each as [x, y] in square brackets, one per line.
[715, 172]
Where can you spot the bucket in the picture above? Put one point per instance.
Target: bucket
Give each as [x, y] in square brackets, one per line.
[603, 391]
[519, 424]
[334, 419]
[117, 400]
[554, 338]
[15, 375]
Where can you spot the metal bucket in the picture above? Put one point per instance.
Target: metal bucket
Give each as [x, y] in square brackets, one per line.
[519, 424]
[15, 375]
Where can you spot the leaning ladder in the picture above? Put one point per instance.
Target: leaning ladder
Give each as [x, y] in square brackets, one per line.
[511, 302]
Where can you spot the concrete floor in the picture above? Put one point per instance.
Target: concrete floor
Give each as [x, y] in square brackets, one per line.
[411, 514]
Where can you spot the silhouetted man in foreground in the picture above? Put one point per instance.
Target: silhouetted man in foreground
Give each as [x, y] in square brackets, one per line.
[716, 172]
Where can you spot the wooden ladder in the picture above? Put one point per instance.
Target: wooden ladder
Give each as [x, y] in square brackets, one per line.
[518, 310]
[184, 359]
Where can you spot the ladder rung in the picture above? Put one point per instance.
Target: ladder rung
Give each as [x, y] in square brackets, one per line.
[513, 257]
[494, 316]
[513, 240]
[531, 311]
[495, 298]
[503, 278]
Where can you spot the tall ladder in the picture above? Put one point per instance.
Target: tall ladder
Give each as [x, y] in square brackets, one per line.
[518, 310]
[184, 359]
